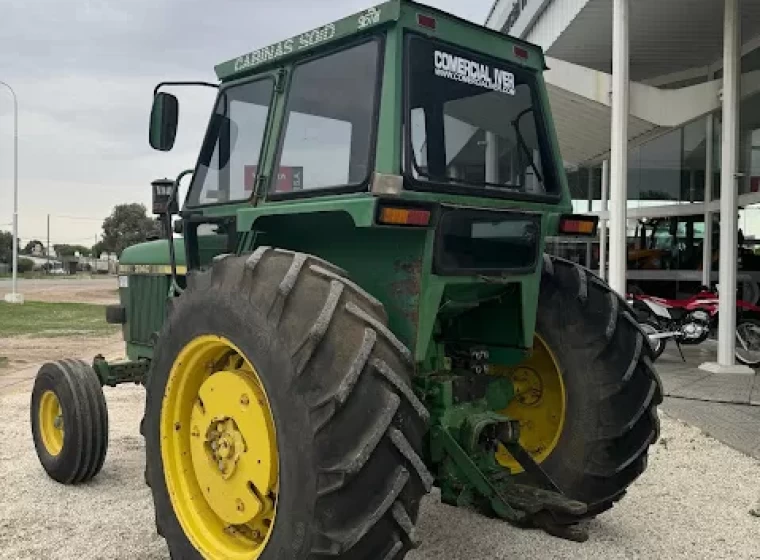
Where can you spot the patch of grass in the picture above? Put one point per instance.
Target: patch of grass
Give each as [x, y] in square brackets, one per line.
[53, 319]
[4, 362]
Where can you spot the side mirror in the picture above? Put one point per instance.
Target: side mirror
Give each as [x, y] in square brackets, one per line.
[219, 141]
[163, 121]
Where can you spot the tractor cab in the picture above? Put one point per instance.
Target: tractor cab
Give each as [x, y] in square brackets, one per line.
[373, 131]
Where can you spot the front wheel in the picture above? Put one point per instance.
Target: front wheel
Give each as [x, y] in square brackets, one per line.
[658, 344]
[69, 421]
[748, 342]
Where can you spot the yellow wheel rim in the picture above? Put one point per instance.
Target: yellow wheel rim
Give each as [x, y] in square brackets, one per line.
[219, 450]
[51, 423]
[538, 404]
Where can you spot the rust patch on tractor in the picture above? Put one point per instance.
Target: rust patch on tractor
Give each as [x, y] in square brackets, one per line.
[405, 287]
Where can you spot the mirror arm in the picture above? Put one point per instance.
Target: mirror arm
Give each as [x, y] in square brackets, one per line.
[204, 84]
[175, 288]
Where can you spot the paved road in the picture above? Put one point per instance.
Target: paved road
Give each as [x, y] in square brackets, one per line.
[35, 283]
[99, 289]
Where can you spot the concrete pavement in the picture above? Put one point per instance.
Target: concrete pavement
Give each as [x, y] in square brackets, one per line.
[725, 406]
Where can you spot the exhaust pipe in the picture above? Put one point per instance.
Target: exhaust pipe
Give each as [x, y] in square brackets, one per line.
[659, 335]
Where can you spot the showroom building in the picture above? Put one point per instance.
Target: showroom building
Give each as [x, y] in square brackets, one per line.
[657, 109]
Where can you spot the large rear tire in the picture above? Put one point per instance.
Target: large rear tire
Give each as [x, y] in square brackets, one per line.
[347, 426]
[611, 388]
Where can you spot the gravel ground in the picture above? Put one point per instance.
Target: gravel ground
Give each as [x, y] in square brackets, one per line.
[23, 351]
[692, 503]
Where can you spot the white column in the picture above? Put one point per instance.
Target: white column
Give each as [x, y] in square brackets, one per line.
[603, 220]
[619, 146]
[729, 196]
[707, 248]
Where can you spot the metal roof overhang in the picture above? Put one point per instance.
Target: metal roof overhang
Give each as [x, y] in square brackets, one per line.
[671, 42]
[580, 100]
[666, 36]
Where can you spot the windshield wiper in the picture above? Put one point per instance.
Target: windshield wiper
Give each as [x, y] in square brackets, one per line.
[524, 145]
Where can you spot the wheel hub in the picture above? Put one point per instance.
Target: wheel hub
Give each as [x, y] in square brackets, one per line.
[224, 445]
[235, 478]
[538, 405]
[527, 386]
[51, 423]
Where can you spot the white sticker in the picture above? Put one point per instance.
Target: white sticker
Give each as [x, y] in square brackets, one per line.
[123, 281]
[468, 71]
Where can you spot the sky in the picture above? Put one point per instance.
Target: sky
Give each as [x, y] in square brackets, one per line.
[84, 73]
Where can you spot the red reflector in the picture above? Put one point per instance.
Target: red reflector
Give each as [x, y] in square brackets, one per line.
[404, 217]
[426, 21]
[418, 218]
[521, 52]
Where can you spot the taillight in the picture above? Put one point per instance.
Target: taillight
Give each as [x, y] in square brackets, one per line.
[521, 53]
[398, 216]
[578, 225]
[426, 21]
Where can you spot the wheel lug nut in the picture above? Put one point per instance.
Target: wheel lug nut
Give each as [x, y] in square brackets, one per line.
[240, 505]
[244, 400]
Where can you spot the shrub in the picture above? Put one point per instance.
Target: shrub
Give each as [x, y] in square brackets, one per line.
[25, 265]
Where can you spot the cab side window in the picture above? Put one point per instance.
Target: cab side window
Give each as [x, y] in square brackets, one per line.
[330, 121]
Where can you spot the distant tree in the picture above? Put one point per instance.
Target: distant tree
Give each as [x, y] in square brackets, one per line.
[6, 247]
[127, 225]
[97, 249]
[29, 247]
[65, 250]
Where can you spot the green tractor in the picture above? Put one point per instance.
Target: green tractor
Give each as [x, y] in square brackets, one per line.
[359, 308]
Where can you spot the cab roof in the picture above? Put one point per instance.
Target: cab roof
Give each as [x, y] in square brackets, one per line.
[408, 13]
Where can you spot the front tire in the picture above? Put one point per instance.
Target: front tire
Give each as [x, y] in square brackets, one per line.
[658, 345]
[748, 332]
[69, 421]
[347, 426]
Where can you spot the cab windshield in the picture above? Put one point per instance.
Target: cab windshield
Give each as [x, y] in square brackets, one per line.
[474, 123]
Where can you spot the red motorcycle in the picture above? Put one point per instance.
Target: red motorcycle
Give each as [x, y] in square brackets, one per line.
[691, 321]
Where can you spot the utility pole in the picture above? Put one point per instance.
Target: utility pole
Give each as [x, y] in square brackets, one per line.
[48, 244]
[14, 296]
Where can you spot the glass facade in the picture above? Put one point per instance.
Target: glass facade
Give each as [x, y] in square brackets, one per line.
[666, 252]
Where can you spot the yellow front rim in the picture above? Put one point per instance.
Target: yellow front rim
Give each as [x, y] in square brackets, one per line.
[219, 450]
[538, 405]
[51, 423]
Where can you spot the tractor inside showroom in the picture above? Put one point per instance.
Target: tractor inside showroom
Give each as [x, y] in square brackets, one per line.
[353, 305]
